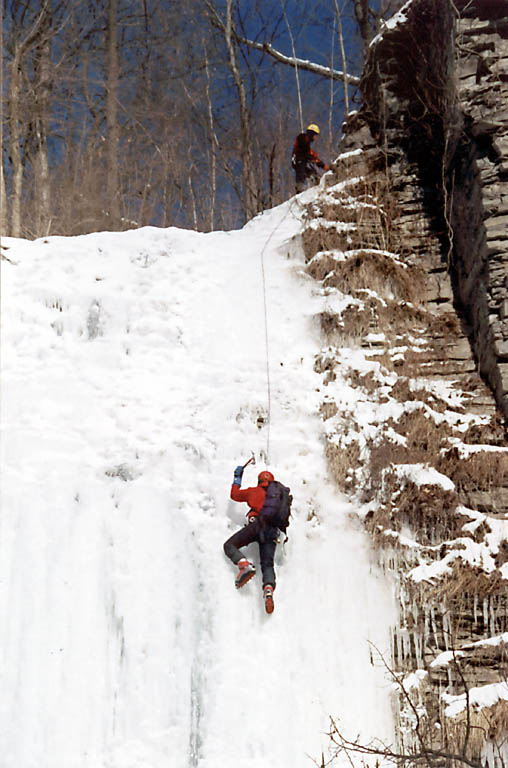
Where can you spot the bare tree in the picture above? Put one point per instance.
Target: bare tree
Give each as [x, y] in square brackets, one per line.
[343, 55]
[369, 15]
[362, 15]
[228, 29]
[105, 121]
[40, 99]
[433, 747]
[112, 116]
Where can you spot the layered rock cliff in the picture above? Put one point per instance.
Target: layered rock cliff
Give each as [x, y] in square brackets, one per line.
[409, 239]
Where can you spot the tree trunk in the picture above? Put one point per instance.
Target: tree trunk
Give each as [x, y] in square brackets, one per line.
[249, 185]
[213, 148]
[362, 17]
[4, 218]
[42, 78]
[112, 118]
[343, 56]
[15, 148]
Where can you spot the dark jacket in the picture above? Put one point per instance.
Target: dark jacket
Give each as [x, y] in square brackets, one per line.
[303, 152]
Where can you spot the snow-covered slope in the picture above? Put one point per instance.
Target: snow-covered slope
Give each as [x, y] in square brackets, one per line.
[134, 379]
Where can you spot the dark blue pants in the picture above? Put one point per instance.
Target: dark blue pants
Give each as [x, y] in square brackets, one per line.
[266, 536]
[304, 171]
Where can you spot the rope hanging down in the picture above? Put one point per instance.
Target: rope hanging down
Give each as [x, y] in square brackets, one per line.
[267, 347]
[267, 353]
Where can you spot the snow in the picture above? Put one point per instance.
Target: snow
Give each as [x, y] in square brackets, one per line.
[413, 680]
[443, 659]
[135, 378]
[477, 555]
[392, 23]
[479, 697]
[351, 153]
[422, 474]
[466, 450]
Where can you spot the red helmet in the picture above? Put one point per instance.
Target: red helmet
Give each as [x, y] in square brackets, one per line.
[265, 477]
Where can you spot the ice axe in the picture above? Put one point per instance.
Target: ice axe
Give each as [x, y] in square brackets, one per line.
[252, 460]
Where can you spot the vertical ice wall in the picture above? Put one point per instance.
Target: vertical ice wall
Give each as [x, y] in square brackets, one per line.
[134, 380]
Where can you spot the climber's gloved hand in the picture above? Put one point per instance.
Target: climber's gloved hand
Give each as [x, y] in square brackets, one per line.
[237, 477]
[293, 160]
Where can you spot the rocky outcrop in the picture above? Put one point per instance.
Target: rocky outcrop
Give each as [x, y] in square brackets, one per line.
[435, 94]
[477, 176]
[408, 241]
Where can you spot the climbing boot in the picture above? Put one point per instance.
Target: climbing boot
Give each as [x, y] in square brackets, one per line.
[245, 573]
[268, 595]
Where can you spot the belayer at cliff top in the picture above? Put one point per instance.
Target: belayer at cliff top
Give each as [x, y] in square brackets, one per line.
[304, 160]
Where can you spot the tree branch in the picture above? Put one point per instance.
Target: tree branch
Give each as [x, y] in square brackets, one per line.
[293, 61]
[422, 756]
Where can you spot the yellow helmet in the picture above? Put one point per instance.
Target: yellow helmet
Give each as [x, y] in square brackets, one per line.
[313, 127]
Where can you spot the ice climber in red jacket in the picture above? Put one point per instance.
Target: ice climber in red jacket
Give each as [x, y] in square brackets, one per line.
[304, 160]
[255, 530]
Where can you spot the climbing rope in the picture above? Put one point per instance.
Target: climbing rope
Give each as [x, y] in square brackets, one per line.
[265, 310]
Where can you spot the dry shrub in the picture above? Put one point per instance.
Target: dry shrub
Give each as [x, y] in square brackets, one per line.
[465, 579]
[367, 381]
[444, 326]
[429, 511]
[502, 555]
[383, 357]
[325, 363]
[380, 520]
[372, 226]
[324, 239]
[330, 323]
[374, 210]
[479, 533]
[341, 460]
[376, 271]
[467, 733]
[381, 456]
[493, 433]
[402, 392]
[355, 323]
[328, 410]
[400, 316]
[322, 266]
[482, 471]
[350, 212]
[416, 363]
[497, 719]
[424, 438]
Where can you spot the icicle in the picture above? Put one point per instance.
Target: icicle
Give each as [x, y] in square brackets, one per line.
[418, 650]
[426, 624]
[399, 647]
[406, 643]
[447, 630]
[434, 627]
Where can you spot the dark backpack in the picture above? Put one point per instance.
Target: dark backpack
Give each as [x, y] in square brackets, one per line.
[277, 507]
[301, 148]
